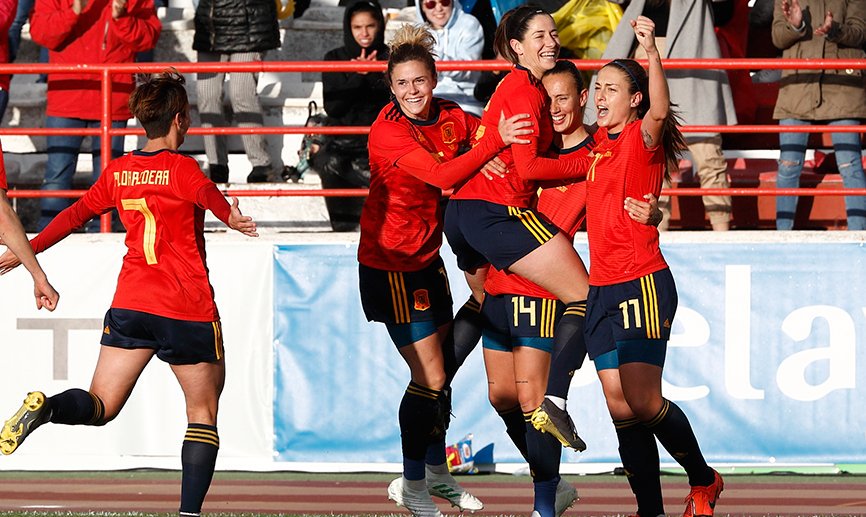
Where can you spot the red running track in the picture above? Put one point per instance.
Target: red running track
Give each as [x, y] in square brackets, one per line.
[503, 495]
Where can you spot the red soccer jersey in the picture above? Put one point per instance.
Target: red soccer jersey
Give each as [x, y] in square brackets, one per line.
[563, 206]
[519, 92]
[621, 249]
[401, 223]
[164, 270]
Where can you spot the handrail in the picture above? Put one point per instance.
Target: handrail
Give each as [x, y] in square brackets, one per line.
[105, 132]
[362, 192]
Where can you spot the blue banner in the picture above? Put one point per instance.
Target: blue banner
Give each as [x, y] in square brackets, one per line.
[762, 359]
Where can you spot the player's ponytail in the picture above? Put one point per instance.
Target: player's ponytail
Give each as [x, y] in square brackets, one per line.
[673, 143]
[411, 43]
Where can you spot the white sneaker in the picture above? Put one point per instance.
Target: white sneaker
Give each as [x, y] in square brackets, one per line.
[535, 514]
[446, 487]
[566, 495]
[416, 501]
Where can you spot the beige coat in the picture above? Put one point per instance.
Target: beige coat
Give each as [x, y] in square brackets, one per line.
[828, 94]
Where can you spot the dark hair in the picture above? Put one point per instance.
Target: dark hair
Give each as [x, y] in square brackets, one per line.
[673, 141]
[563, 66]
[157, 100]
[411, 43]
[514, 25]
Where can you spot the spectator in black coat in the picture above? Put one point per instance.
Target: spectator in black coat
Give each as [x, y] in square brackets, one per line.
[352, 99]
[236, 31]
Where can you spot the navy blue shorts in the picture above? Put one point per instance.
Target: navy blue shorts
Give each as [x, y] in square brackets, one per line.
[413, 305]
[481, 232]
[516, 320]
[175, 341]
[631, 322]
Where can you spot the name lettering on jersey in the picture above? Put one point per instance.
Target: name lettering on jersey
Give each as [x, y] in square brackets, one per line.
[595, 158]
[146, 177]
[449, 136]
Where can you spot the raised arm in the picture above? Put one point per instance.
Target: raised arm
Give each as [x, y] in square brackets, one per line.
[653, 122]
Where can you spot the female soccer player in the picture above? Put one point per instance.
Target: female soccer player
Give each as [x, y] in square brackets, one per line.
[632, 295]
[164, 303]
[13, 237]
[414, 147]
[492, 222]
[518, 345]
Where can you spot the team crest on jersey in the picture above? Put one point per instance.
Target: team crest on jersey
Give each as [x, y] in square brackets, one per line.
[449, 136]
[422, 299]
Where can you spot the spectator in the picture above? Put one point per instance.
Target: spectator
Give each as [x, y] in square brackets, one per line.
[459, 37]
[86, 33]
[352, 99]
[702, 97]
[835, 97]
[234, 31]
[7, 14]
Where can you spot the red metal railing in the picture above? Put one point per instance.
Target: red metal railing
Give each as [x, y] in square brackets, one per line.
[105, 132]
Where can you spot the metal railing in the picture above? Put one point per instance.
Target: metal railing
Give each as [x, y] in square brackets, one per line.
[105, 132]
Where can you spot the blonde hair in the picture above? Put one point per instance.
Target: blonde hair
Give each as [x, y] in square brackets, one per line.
[411, 43]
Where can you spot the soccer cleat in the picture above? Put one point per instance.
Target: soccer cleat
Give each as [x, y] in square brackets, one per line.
[701, 501]
[566, 495]
[418, 502]
[446, 487]
[548, 418]
[32, 414]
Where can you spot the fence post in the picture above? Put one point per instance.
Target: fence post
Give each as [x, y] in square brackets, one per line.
[105, 137]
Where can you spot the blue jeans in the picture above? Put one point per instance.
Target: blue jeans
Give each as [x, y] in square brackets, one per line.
[63, 158]
[4, 101]
[848, 160]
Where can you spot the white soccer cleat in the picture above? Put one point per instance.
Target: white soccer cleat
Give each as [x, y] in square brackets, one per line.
[416, 501]
[566, 495]
[446, 487]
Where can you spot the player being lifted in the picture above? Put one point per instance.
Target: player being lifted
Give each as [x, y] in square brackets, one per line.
[164, 303]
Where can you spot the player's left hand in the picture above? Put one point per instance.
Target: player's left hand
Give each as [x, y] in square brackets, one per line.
[240, 222]
[644, 31]
[494, 168]
[644, 212]
[8, 262]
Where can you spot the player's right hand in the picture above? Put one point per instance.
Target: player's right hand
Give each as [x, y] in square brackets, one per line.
[8, 262]
[46, 295]
[240, 222]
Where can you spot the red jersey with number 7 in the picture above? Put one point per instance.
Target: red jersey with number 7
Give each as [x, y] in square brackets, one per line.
[164, 270]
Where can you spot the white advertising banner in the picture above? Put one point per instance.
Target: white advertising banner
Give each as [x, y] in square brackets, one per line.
[52, 352]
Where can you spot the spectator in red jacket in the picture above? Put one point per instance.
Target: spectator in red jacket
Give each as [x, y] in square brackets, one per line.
[86, 32]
